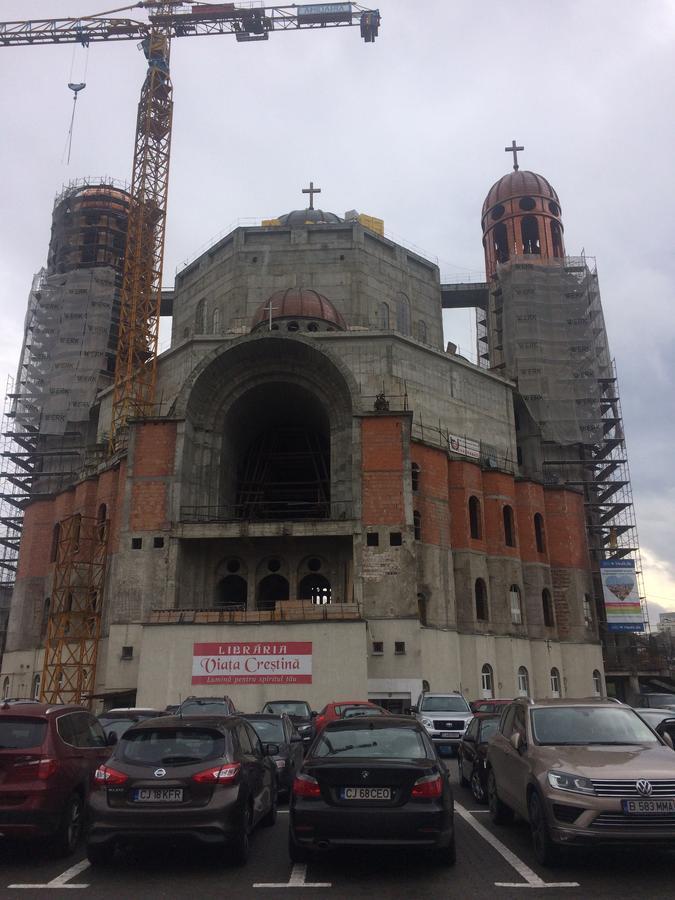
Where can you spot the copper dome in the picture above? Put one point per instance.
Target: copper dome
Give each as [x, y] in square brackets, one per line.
[519, 184]
[299, 303]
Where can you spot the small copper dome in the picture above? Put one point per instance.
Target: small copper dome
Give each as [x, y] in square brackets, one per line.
[309, 216]
[299, 303]
[519, 184]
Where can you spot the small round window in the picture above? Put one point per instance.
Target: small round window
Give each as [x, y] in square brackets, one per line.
[313, 326]
[274, 565]
[314, 564]
[527, 203]
[233, 565]
[293, 326]
[497, 212]
[555, 209]
[275, 327]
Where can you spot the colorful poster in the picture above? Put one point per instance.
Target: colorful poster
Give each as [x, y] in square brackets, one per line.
[252, 663]
[622, 599]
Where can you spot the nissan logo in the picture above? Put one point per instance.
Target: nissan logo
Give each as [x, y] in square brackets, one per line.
[643, 787]
[365, 775]
[160, 773]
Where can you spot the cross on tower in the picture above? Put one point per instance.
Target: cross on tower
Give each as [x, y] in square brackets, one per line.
[270, 309]
[311, 190]
[514, 149]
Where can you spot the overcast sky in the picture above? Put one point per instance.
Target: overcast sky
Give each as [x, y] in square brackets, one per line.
[410, 129]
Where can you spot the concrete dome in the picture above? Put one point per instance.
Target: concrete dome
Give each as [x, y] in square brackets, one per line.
[299, 217]
[299, 303]
[519, 184]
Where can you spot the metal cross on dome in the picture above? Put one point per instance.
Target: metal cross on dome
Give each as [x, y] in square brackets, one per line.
[514, 149]
[311, 190]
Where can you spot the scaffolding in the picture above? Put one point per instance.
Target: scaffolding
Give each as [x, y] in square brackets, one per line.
[74, 623]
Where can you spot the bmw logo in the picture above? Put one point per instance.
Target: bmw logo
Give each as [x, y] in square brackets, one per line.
[365, 775]
[643, 787]
[160, 773]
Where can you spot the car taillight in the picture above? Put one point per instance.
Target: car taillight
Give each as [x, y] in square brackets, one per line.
[41, 768]
[218, 774]
[427, 788]
[306, 786]
[280, 763]
[104, 776]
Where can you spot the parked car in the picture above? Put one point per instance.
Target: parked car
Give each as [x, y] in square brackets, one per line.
[300, 714]
[203, 779]
[372, 780]
[207, 706]
[489, 707]
[661, 720]
[653, 701]
[350, 711]
[445, 717]
[334, 710]
[472, 754]
[279, 730]
[48, 755]
[581, 772]
[117, 721]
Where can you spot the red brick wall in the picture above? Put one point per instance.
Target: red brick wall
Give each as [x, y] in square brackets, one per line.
[431, 500]
[529, 502]
[499, 491]
[465, 480]
[383, 462]
[154, 449]
[565, 528]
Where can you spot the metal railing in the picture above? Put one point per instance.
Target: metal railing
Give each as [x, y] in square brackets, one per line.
[284, 611]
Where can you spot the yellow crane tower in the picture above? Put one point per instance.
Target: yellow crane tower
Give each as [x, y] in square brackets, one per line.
[74, 625]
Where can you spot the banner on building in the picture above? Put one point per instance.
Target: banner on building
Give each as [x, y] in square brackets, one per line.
[622, 599]
[252, 663]
[464, 445]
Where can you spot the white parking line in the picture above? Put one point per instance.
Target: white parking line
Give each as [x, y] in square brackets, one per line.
[297, 880]
[532, 880]
[60, 880]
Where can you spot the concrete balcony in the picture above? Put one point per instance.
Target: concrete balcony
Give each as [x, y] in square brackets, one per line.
[285, 611]
[266, 520]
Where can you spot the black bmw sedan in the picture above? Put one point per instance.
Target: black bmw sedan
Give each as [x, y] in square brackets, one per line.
[372, 781]
[183, 779]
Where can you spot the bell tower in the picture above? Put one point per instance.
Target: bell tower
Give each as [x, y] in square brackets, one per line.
[521, 217]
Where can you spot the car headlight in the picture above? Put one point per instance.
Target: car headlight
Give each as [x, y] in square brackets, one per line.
[427, 723]
[563, 781]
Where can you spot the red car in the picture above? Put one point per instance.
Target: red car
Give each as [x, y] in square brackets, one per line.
[488, 707]
[48, 756]
[336, 710]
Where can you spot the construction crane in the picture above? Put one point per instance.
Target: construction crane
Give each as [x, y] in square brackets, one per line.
[74, 625]
[136, 358]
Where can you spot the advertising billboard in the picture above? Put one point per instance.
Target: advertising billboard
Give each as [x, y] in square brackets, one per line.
[622, 599]
[264, 662]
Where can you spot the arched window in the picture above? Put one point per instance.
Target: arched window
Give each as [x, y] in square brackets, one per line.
[523, 682]
[588, 611]
[215, 321]
[231, 593]
[383, 317]
[422, 608]
[597, 683]
[509, 529]
[272, 589]
[474, 518]
[316, 588]
[56, 537]
[36, 686]
[529, 229]
[556, 240]
[5, 688]
[501, 242]
[481, 601]
[547, 607]
[486, 682]
[415, 476]
[422, 331]
[417, 525]
[555, 683]
[403, 314]
[101, 517]
[515, 604]
[539, 532]
[200, 317]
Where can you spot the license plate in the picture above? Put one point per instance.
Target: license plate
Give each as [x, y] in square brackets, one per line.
[365, 793]
[158, 795]
[649, 807]
[449, 734]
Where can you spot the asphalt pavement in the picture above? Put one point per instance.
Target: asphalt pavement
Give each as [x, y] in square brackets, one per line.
[492, 862]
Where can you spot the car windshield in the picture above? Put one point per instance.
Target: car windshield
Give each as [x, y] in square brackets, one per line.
[349, 711]
[375, 743]
[488, 727]
[117, 726]
[205, 708]
[588, 725]
[289, 707]
[662, 701]
[19, 733]
[172, 746]
[445, 704]
[269, 731]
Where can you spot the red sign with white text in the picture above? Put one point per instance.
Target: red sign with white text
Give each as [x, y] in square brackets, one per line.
[266, 662]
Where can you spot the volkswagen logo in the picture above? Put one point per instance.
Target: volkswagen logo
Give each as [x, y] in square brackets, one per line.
[643, 787]
[365, 775]
[160, 773]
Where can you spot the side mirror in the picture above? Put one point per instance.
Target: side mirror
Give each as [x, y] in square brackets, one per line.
[667, 738]
[271, 749]
[296, 739]
[111, 739]
[314, 714]
[413, 710]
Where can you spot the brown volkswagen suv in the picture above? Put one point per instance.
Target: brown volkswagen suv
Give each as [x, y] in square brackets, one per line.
[581, 772]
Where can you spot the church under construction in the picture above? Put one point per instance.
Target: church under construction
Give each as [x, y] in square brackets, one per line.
[325, 501]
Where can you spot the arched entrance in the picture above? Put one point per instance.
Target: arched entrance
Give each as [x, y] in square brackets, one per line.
[231, 593]
[315, 588]
[272, 589]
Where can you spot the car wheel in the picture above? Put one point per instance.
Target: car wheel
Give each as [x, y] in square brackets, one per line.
[241, 845]
[296, 853]
[69, 832]
[547, 853]
[270, 817]
[477, 788]
[500, 813]
[100, 854]
[462, 779]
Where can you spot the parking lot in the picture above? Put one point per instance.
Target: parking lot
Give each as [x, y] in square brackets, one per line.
[491, 861]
